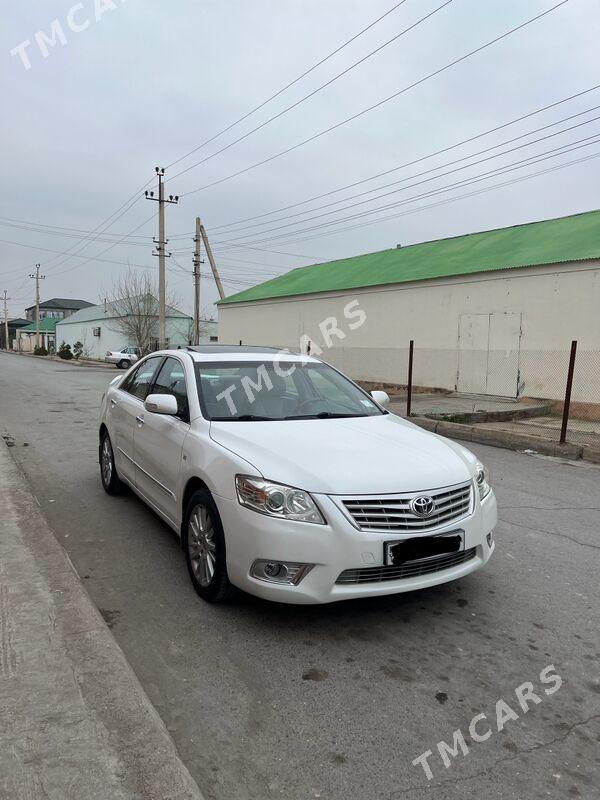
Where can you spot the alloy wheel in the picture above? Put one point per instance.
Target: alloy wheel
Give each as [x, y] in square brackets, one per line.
[202, 545]
[106, 461]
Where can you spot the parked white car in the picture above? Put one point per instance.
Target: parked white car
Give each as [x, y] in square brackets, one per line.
[286, 479]
[124, 357]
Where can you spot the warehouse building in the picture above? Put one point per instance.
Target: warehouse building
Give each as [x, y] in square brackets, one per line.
[490, 313]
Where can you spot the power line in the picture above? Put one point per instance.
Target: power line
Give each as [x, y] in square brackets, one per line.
[413, 162]
[499, 170]
[315, 91]
[427, 172]
[380, 102]
[447, 201]
[287, 86]
[65, 235]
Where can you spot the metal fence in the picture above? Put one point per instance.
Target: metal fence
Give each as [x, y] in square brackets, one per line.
[554, 394]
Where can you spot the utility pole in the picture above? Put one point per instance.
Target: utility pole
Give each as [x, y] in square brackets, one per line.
[38, 278]
[6, 320]
[211, 258]
[197, 261]
[161, 253]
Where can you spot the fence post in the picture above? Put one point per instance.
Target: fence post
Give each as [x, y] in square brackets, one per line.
[567, 403]
[409, 385]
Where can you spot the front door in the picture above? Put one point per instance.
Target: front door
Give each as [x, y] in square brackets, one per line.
[159, 442]
[125, 406]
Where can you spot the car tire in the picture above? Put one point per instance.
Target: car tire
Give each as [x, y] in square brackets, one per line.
[111, 482]
[124, 364]
[204, 546]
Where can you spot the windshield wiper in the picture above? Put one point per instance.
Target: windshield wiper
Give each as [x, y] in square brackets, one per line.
[327, 415]
[244, 418]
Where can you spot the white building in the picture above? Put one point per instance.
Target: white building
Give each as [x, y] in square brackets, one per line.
[98, 329]
[490, 313]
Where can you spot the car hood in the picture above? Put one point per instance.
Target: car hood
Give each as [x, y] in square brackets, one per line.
[382, 454]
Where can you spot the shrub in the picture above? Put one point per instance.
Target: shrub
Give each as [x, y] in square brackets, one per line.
[78, 349]
[40, 351]
[64, 351]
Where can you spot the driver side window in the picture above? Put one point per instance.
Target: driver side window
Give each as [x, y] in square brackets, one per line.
[171, 380]
[138, 383]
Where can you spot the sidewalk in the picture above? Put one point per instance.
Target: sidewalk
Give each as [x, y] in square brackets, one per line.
[75, 724]
[466, 407]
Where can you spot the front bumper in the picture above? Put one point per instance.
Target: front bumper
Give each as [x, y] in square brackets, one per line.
[334, 548]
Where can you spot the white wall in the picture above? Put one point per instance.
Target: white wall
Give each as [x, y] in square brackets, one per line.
[111, 337]
[481, 333]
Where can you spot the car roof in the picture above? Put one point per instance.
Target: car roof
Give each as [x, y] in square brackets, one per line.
[224, 352]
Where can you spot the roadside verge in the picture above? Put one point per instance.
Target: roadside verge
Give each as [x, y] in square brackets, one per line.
[74, 720]
[509, 440]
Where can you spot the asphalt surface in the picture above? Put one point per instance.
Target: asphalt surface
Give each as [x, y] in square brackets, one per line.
[267, 701]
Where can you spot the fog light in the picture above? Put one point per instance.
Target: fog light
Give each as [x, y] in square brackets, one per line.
[274, 570]
[490, 538]
[290, 572]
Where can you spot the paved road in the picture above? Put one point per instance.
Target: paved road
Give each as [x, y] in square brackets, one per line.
[267, 701]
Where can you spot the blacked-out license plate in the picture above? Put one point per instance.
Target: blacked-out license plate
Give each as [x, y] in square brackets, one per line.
[419, 547]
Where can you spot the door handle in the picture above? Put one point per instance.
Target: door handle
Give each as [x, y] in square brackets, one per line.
[139, 420]
[113, 403]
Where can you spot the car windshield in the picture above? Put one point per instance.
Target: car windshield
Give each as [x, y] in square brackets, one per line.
[266, 391]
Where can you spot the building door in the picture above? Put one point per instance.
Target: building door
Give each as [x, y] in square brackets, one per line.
[473, 332]
[504, 345]
[489, 351]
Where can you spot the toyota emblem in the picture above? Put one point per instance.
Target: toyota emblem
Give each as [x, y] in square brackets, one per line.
[422, 506]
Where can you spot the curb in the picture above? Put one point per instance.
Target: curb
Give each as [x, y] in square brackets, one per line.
[76, 722]
[509, 440]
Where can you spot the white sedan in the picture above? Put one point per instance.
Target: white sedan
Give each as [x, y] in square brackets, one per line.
[124, 357]
[284, 478]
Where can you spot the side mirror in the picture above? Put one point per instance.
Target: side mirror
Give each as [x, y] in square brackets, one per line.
[161, 404]
[382, 398]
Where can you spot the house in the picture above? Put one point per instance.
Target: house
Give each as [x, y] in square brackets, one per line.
[27, 336]
[490, 313]
[101, 328]
[56, 308]
[13, 326]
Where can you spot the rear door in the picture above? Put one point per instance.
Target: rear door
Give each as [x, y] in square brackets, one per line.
[159, 439]
[125, 406]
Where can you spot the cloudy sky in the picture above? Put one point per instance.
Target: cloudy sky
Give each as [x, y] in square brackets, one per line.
[145, 82]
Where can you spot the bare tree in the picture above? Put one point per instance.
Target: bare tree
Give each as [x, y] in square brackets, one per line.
[134, 305]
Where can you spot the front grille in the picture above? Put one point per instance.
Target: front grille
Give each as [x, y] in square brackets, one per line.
[408, 570]
[393, 513]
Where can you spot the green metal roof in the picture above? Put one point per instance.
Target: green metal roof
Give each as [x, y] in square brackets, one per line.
[47, 325]
[551, 241]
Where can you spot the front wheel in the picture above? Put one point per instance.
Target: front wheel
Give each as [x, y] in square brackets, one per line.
[204, 545]
[108, 472]
[124, 364]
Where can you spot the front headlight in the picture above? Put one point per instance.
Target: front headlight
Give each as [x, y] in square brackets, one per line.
[482, 479]
[277, 500]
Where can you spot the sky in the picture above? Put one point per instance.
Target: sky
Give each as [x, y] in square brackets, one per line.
[129, 85]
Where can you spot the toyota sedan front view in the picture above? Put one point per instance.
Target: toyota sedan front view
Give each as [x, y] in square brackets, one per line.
[287, 480]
